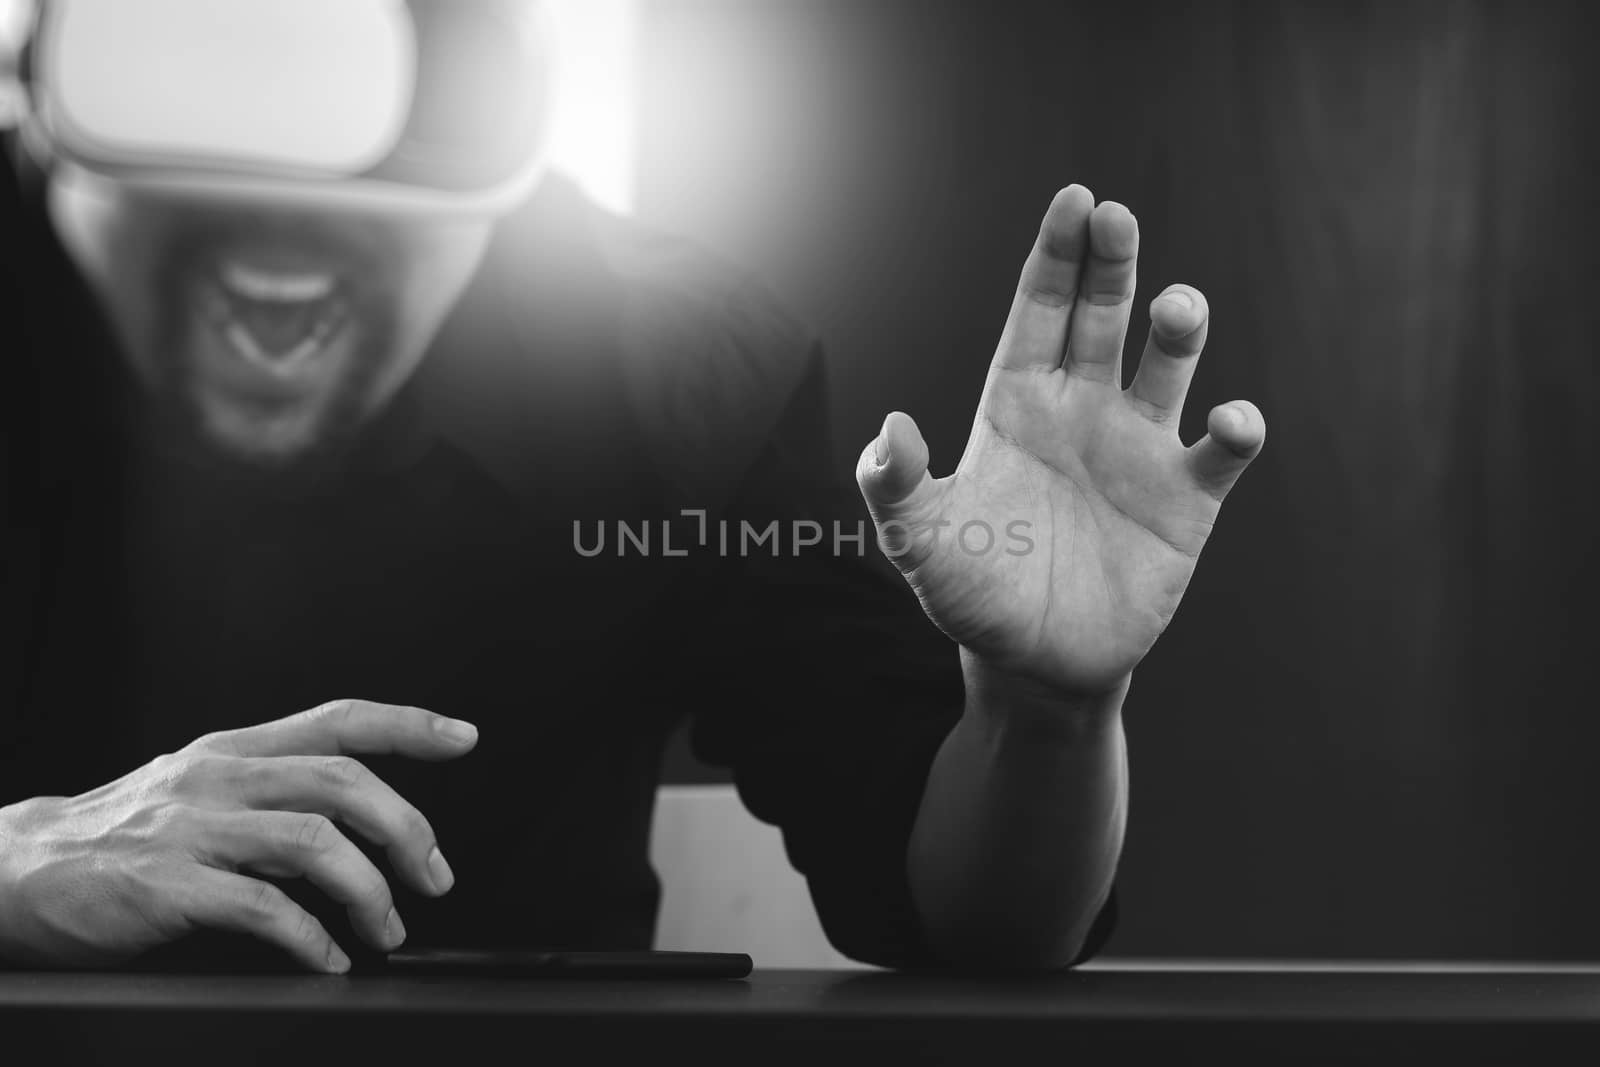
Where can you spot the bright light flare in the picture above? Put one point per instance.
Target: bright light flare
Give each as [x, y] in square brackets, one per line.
[593, 130]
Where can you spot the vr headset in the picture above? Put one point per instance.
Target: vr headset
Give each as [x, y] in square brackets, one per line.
[435, 106]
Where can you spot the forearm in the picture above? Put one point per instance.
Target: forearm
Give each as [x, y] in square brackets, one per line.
[1016, 843]
[13, 819]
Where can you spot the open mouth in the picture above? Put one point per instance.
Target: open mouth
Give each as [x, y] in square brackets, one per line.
[276, 319]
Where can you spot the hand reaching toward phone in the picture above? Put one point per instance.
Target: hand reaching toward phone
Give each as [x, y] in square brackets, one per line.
[181, 843]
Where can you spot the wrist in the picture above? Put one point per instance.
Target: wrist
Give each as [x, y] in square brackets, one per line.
[1011, 701]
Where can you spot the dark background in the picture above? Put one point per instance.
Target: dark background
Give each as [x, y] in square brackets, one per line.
[1371, 729]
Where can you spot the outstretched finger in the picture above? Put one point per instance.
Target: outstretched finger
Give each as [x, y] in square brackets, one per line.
[346, 790]
[222, 900]
[285, 844]
[1235, 433]
[351, 726]
[1179, 319]
[1036, 330]
[1105, 296]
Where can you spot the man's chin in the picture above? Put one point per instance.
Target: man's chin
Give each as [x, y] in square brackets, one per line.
[286, 437]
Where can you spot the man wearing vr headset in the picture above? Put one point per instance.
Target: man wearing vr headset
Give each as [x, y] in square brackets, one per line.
[326, 389]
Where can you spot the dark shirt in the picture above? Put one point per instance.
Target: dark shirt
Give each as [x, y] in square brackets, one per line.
[594, 374]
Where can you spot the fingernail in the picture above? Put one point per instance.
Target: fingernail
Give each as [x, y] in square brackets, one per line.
[393, 929]
[443, 876]
[881, 449]
[1233, 416]
[338, 962]
[456, 730]
[1179, 297]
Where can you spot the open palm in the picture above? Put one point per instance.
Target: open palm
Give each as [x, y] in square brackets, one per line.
[1062, 544]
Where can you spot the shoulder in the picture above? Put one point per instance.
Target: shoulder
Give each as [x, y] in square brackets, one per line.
[703, 356]
[712, 358]
[665, 294]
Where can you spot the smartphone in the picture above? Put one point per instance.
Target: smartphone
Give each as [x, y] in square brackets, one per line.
[540, 963]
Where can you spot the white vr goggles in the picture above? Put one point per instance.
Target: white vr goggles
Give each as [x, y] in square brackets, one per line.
[396, 105]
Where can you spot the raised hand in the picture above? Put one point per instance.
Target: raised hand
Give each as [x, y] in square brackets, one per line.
[178, 843]
[1060, 548]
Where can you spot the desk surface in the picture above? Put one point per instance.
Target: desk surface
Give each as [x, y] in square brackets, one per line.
[1311, 1012]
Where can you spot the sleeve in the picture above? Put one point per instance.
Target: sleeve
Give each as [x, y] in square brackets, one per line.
[828, 692]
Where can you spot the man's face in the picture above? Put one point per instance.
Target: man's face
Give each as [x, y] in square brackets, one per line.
[267, 333]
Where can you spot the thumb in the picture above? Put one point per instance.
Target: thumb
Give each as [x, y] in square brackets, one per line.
[893, 468]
